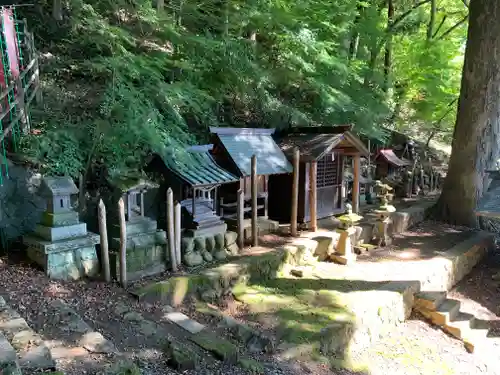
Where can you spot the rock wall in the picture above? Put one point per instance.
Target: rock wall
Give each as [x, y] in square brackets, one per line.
[20, 206]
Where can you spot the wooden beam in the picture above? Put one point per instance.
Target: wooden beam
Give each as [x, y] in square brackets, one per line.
[313, 203]
[255, 229]
[295, 193]
[355, 185]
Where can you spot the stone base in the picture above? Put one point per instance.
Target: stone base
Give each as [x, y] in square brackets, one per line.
[135, 226]
[145, 255]
[61, 233]
[60, 219]
[205, 232]
[65, 260]
[343, 259]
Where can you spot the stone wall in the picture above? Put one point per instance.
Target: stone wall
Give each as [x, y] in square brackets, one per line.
[20, 206]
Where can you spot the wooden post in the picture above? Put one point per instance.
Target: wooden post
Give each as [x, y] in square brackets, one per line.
[295, 193]
[103, 232]
[142, 203]
[255, 229]
[57, 10]
[123, 243]
[160, 4]
[240, 213]
[177, 221]
[355, 185]
[20, 96]
[81, 194]
[313, 204]
[170, 229]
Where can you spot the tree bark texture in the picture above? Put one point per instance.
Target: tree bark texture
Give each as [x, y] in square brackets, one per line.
[476, 138]
[388, 47]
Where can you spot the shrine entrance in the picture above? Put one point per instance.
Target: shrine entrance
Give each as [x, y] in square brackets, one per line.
[329, 185]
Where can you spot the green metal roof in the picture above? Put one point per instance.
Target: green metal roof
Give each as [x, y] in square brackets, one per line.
[196, 166]
[242, 143]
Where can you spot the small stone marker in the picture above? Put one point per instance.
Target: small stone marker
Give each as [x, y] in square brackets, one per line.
[184, 322]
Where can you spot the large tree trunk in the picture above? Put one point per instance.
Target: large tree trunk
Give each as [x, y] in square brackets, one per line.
[388, 47]
[475, 146]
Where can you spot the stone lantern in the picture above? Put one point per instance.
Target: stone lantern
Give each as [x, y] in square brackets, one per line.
[60, 243]
[383, 213]
[344, 253]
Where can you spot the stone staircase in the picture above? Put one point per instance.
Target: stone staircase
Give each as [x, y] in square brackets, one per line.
[22, 349]
[446, 313]
[20, 346]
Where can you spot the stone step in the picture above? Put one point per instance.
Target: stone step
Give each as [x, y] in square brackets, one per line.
[8, 358]
[31, 351]
[429, 300]
[80, 340]
[445, 312]
[460, 326]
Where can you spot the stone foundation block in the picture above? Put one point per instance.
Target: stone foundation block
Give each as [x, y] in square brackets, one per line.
[60, 219]
[61, 233]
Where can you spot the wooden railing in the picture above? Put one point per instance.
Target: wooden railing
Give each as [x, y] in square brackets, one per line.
[23, 89]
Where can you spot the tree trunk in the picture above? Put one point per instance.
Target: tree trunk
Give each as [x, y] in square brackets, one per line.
[57, 10]
[388, 47]
[477, 130]
[432, 21]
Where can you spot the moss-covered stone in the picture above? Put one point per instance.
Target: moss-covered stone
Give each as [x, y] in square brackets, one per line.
[187, 244]
[222, 349]
[251, 366]
[230, 238]
[210, 244]
[180, 356]
[193, 259]
[200, 244]
[207, 256]
[9, 368]
[220, 255]
[219, 241]
[233, 249]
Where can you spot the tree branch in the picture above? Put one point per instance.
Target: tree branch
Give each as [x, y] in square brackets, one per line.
[402, 17]
[451, 29]
[438, 29]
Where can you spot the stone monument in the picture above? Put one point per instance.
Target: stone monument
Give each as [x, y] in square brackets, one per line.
[146, 244]
[344, 253]
[60, 243]
[381, 236]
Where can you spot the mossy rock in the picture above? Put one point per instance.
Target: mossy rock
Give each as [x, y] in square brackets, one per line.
[123, 368]
[207, 256]
[230, 238]
[200, 244]
[220, 255]
[210, 243]
[180, 356]
[187, 244]
[10, 368]
[251, 365]
[193, 259]
[233, 249]
[221, 349]
[219, 241]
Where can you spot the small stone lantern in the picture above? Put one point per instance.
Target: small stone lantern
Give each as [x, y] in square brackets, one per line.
[344, 253]
[60, 242]
[381, 230]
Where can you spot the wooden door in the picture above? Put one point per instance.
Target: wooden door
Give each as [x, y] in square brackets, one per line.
[328, 185]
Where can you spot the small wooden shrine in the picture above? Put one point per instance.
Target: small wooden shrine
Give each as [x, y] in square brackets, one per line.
[388, 163]
[233, 150]
[195, 179]
[327, 148]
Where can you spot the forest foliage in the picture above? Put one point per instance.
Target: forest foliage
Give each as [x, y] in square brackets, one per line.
[122, 78]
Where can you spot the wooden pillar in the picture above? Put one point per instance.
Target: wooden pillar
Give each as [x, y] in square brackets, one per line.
[255, 229]
[295, 193]
[142, 203]
[355, 185]
[123, 243]
[103, 232]
[240, 217]
[171, 229]
[313, 203]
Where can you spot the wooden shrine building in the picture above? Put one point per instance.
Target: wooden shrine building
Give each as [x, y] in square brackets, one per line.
[194, 178]
[233, 150]
[388, 163]
[323, 153]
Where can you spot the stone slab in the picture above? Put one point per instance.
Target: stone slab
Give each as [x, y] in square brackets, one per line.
[61, 233]
[184, 322]
[7, 353]
[60, 219]
[137, 226]
[90, 239]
